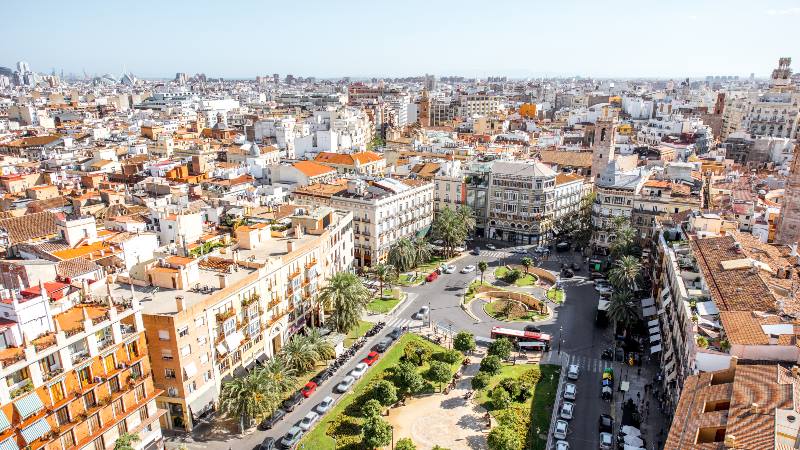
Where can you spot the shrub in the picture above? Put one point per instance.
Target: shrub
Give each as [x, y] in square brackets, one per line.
[405, 444]
[512, 276]
[491, 364]
[417, 352]
[377, 432]
[464, 341]
[501, 347]
[481, 380]
[503, 438]
[500, 398]
[449, 356]
[371, 407]
[511, 386]
[531, 376]
[384, 392]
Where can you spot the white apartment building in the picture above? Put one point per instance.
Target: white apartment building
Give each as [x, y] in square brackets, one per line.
[481, 104]
[615, 192]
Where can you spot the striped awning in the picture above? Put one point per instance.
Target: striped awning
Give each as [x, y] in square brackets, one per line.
[9, 444]
[4, 423]
[35, 430]
[29, 405]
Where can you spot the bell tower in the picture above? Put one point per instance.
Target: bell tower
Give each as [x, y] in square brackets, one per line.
[602, 146]
[424, 115]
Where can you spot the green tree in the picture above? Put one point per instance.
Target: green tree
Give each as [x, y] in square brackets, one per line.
[491, 364]
[481, 380]
[277, 380]
[405, 444]
[417, 352]
[246, 398]
[527, 262]
[501, 347]
[346, 297]
[439, 372]
[622, 310]
[298, 354]
[407, 378]
[624, 237]
[511, 276]
[384, 391]
[453, 227]
[464, 341]
[625, 273]
[501, 399]
[371, 407]
[320, 346]
[503, 437]
[448, 356]
[438, 447]
[482, 266]
[402, 255]
[384, 274]
[512, 386]
[377, 432]
[422, 251]
[125, 441]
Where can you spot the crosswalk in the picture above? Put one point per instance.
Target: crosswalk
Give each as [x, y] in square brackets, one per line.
[397, 322]
[595, 365]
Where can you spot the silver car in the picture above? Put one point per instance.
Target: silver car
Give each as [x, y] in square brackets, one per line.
[567, 410]
[570, 391]
[561, 429]
[325, 405]
[307, 421]
[345, 384]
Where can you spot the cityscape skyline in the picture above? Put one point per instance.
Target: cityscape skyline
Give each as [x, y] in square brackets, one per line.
[249, 39]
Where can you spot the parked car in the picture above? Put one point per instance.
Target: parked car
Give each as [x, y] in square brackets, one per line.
[325, 405]
[491, 247]
[290, 403]
[573, 371]
[359, 370]
[308, 420]
[562, 445]
[540, 249]
[267, 444]
[270, 421]
[308, 389]
[563, 247]
[476, 251]
[605, 423]
[633, 441]
[419, 315]
[606, 441]
[627, 430]
[395, 333]
[619, 354]
[570, 391]
[561, 429]
[432, 276]
[468, 269]
[372, 357]
[383, 344]
[450, 269]
[292, 437]
[596, 275]
[567, 410]
[576, 266]
[345, 384]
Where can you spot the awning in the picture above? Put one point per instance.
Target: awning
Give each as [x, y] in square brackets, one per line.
[233, 340]
[190, 369]
[602, 305]
[29, 405]
[9, 444]
[654, 330]
[221, 349]
[653, 323]
[649, 311]
[203, 402]
[4, 423]
[655, 349]
[707, 309]
[648, 302]
[35, 430]
[655, 338]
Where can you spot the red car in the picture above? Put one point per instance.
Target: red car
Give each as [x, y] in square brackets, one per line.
[308, 389]
[371, 358]
[432, 276]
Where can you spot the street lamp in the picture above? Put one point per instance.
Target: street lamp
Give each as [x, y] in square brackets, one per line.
[560, 332]
[392, 427]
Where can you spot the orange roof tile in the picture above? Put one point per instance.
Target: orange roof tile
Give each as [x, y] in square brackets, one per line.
[312, 169]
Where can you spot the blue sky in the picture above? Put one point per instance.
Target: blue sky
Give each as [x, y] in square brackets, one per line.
[239, 38]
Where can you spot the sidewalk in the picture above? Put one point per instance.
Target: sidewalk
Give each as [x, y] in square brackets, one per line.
[654, 424]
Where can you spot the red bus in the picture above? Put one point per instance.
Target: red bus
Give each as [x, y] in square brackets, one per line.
[524, 339]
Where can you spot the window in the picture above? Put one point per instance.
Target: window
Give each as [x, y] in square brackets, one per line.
[191, 387]
[140, 392]
[122, 427]
[57, 391]
[172, 392]
[163, 335]
[229, 326]
[186, 350]
[199, 321]
[183, 331]
[94, 423]
[202, 340]
[169, 373]
[204, 358]
[62, 416]
[113, 385]
[206, 376]
[166, 354]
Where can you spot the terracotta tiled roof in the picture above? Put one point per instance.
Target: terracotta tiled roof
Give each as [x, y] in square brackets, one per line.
[75, 267]
[563, 178]
[562, 158]
[426, 170]
[744, 328]
[31, 226]
[312, 169]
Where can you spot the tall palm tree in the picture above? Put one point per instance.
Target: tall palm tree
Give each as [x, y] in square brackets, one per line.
[278, 379]
[482, 266]
[346, 297]
[422, 251]
[448, 227]
[402, 255]
[624, 237]
[527, 263]
[625, 273]
[245, 398]
[467, 217]
[622, 310]
[321, 347]
[383, 274]
[298, 354]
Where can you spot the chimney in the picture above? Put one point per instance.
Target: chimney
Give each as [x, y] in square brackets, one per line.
[733, 363]
[298, 231]
[180, 303]
[289, 246]
[773, 339]
[223, 280]
[794, 249]
[795, 371]
[754, 408]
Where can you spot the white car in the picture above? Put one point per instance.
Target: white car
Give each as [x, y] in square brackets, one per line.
[307, 421]
[468, 269]
[345, 384]
[562, 445]
[490, 247]
[570, 391]
[606, 441]
[450, 269]
[567, 410]
[561, 429]
[603, 289]
[325, 405]
[573, 371]
[359, 370]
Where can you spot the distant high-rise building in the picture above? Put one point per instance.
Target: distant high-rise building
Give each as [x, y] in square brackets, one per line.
[23, 67]
[424, 114]
[430, 82]
[181, 78]
[276, 78]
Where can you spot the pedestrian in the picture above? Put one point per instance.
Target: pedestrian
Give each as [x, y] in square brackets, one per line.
[639, 371]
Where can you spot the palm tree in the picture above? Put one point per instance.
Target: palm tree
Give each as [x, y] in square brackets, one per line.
[383, 273]
[279, 380]
[622, 310]
[449, 227]
[321, 347]
[422, 251]
[624, 236]
[527, 263]
[482, 266]
[467, 217]
[298, 354]
[246, 398]
[346, 297]
[625, 273]
[402, 255]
